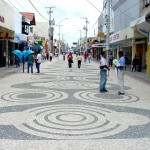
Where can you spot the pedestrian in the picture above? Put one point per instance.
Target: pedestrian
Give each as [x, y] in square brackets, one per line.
[134, 63]
[120, 72]
[139, 64]
[85, 56]
[64, 55]
[126, 61]
[30, 61]
[103, 72]
[110, 60]
[70, 60]
[50, 56]
[38, 59]
[17, 62]
[79, 59]
[89, 57]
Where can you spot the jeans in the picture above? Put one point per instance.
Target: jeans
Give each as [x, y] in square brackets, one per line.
[79, 63]
[89, 59]
[120, 76]
[38, 67]
[17, 64]
[103, 79]
[30, 65]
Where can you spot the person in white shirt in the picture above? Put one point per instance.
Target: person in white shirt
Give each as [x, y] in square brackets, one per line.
[38, 58]
[50, 56]
[103, 73]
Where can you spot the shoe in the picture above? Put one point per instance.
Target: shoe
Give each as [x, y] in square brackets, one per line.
[119, 93]
[105, 91]
[38, 72]
[102, 91]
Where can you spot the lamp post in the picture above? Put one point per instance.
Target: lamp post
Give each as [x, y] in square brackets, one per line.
[86, 29]
[51, 23]
[80, 40]
[58, 24]
[59, 40]
[80, 36]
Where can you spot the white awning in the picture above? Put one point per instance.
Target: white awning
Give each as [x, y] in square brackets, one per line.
[97, 45]
[141, 25]
[19, 38]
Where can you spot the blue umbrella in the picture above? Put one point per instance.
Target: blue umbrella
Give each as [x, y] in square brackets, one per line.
[23, 52]
[18, 53]
[36, 47]
[27, 53]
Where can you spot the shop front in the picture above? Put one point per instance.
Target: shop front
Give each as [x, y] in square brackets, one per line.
[6, 33]
[141, 45]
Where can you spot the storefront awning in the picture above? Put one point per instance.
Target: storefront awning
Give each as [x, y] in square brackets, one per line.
[98, 45]
[6, 34]
[19, 38]
[141, 25]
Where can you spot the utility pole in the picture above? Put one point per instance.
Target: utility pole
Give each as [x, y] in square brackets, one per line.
[51, 23]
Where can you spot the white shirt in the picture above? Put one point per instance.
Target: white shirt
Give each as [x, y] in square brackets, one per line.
[39, 57]
[103, 62]
[50, 54]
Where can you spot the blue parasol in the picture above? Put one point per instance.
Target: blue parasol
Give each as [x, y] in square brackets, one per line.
[36, 47]
[27, 53]
[18, 53]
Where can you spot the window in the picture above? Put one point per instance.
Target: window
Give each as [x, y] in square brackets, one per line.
[31, 29]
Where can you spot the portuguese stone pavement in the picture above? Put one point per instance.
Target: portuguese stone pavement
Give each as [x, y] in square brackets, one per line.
[61, 109]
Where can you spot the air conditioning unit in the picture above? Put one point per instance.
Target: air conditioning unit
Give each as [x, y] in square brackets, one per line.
[146, 3]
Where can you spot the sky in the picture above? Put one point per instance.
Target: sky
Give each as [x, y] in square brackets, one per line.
[73, 10]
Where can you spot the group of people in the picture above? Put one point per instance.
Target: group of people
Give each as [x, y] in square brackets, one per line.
[120, 72]
[87, 56]
[34, 58]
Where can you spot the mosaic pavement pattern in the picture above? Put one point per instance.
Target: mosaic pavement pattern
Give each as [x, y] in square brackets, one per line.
[64, 103]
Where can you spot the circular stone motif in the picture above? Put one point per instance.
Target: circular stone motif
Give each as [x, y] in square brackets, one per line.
[32, 97]
[70, 74]
[69, 122]
[50, 78]
[96, 97]
[67, 85]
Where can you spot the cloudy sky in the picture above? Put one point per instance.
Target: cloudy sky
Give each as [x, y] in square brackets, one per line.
[71, 9]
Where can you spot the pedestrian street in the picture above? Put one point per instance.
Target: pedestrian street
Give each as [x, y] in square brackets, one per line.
[61, 108]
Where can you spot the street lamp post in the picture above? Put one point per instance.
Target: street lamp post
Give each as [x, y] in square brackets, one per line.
[59, 33]
[80, 40]
[51, 22]
[86, 29]
[59, 40]
[80, 36]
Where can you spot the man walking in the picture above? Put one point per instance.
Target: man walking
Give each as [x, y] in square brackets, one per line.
[120, 72]
[103, 72]
[38, 58]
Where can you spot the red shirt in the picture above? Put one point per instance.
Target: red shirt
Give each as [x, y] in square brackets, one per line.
[85, 55]
[69, 56]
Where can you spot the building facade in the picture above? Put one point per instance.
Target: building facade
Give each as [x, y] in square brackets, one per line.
[7, 32]
[131, 30]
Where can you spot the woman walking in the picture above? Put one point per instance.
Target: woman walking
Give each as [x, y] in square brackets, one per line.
[79, 59]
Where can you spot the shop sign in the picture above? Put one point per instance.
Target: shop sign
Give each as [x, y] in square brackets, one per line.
[5, 36]
[2, 19]
[115, 37]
